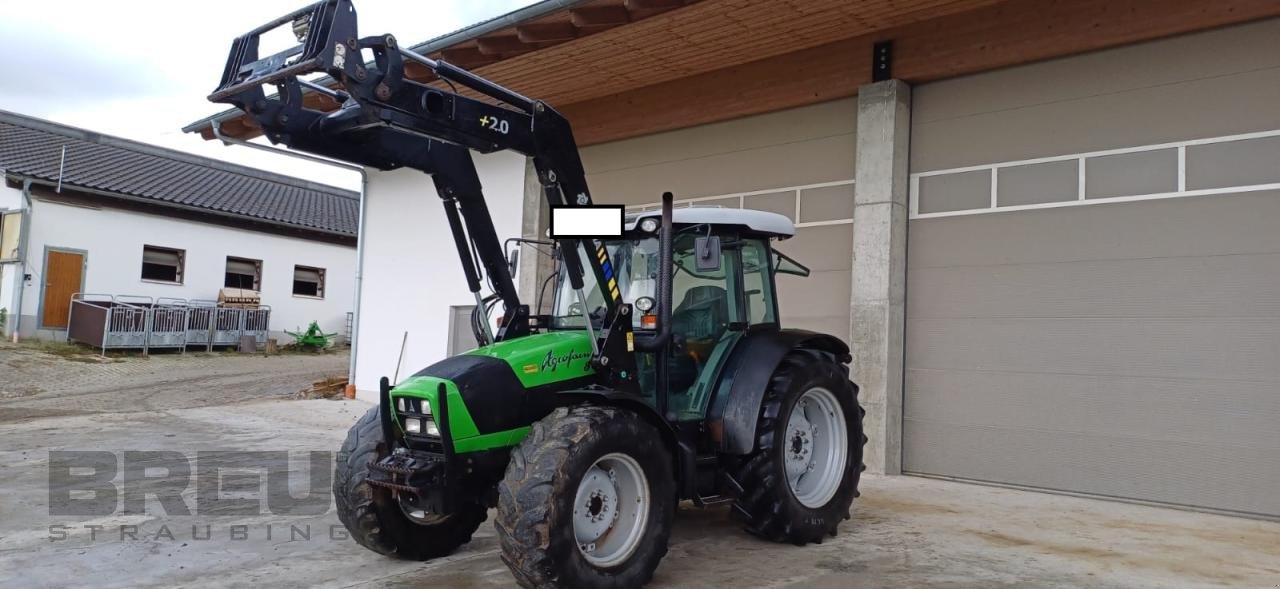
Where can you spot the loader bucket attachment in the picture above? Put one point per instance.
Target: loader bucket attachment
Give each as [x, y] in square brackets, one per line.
[327, 43]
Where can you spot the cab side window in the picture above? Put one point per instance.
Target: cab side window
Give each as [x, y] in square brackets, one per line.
[757, 288]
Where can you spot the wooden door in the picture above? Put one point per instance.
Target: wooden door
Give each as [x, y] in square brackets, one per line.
[63, 272]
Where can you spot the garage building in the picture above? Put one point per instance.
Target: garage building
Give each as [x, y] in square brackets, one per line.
[1048, 229]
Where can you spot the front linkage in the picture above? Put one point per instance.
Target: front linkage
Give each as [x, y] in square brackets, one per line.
[419, 476]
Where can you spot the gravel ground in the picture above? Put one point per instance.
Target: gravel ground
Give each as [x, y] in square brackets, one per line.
[37, 383]
[905, 531]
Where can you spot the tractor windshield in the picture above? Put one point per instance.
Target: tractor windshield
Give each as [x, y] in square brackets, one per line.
[635, 263]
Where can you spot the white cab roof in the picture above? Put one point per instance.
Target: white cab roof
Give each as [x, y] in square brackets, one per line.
[761, 221]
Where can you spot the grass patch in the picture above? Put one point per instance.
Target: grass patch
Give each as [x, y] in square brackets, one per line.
[66, 350]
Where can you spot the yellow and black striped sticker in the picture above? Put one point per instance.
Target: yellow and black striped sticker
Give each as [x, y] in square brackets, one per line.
[607, 269]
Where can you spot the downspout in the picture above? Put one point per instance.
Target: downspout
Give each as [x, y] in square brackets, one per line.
[24, 238]
[360, 234]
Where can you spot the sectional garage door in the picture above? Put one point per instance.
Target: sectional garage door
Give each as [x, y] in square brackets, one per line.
[1093, 288]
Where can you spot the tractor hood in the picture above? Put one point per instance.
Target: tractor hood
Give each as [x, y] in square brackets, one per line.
[544, 358]
[496, 391]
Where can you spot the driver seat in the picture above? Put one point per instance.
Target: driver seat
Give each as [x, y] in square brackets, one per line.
[702, 313]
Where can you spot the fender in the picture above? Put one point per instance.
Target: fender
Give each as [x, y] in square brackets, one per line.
[735, 406]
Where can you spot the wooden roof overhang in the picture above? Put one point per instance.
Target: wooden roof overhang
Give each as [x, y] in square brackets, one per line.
[625, 68]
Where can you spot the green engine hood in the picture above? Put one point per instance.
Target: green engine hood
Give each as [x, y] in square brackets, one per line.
[544, 358]
[487, 388]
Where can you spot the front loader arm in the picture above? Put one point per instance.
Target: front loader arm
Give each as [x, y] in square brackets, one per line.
[384, 107]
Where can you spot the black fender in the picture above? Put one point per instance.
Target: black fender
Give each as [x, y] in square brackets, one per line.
[735, 406]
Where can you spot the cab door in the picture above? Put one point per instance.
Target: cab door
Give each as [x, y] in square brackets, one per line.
[707, 318]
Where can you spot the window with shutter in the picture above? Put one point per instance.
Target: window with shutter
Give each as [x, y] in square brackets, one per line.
[162, 264]
[243, 273]
[308, 282]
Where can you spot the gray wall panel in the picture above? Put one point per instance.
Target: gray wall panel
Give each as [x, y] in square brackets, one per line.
[1176, 227]
[1131, 174]
[1098, 405]
[955, 192]
[1127, 350]
[1214, 83]
[1235, 478]
[1245, 348]
[1232, 285]
[783, 203]
[1038, 183]
[1234, 163]
[828, 203]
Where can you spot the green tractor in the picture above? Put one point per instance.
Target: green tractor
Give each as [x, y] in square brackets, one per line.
[661, 373]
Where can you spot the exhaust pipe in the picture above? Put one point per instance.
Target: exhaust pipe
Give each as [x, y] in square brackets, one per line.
[666, 260]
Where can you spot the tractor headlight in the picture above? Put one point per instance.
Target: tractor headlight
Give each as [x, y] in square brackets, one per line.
[418, 426]
[644, 304]
[648, 224]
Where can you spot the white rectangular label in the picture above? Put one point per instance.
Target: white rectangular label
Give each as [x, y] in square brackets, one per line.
[593, 221]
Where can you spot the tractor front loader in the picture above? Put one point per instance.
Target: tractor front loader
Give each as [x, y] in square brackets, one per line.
[661, 374]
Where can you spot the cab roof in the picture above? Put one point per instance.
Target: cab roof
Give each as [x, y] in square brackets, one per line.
[771, 224]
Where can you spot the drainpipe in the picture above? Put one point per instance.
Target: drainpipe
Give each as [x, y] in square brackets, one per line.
[24, 238]
[359, 277]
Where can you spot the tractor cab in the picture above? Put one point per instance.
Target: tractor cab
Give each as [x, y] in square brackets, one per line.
[722, 286]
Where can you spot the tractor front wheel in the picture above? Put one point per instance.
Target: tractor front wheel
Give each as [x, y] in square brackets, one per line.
[376, 520]
[587, 501]
[802, 478]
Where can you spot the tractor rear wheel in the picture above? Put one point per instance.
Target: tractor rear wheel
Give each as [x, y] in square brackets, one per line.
[376, 520]
[587, 501]
[801, 480]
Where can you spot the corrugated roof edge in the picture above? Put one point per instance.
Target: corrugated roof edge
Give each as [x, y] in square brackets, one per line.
[164, 152]
[515, 17]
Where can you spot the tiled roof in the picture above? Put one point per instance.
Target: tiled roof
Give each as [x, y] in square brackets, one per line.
[33, 147]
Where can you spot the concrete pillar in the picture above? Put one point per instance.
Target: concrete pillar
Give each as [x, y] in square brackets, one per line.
[535, 267]
[880, 266]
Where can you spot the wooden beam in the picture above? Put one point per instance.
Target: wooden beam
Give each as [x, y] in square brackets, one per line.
[1001, 35]
[502, 45]
[546, 32]
[653, 4]
[599, 16]
[467, 57]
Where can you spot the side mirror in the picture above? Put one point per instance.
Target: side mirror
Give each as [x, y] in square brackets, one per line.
[707, 253]
[513, 261]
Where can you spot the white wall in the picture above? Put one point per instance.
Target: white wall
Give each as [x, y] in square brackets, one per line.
[10, 200]
[114, 240]
[411, 270]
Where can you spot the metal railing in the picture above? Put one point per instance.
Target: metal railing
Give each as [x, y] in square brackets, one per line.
[138, 322]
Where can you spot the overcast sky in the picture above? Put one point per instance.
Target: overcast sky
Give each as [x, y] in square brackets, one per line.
[141, 69]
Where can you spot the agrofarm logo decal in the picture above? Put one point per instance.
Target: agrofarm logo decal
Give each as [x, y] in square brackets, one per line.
[553, 362]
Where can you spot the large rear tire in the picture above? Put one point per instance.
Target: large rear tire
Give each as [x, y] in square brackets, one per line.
[802, 478]
[587, 501]
[375, 519]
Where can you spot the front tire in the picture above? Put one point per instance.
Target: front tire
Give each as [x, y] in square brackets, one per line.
[802, 478]
[587, 501]
[375, 519]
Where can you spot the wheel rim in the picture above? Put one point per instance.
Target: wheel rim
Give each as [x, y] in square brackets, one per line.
[421, 516]
[816, 447]
[611, 510]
